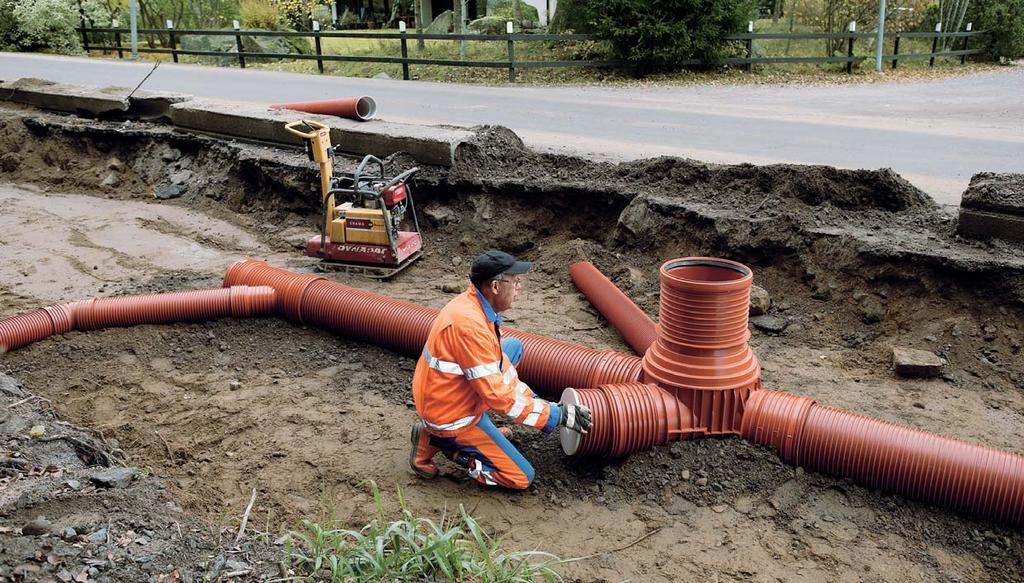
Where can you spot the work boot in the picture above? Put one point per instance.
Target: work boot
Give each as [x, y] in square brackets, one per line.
[421, 456]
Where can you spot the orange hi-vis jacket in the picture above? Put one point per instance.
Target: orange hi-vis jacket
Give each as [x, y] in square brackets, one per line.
[463, 373]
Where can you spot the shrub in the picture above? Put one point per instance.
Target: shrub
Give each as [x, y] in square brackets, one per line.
[572, 16]
[661, 33]
[297, 13]
[33, 25]
[262, 14]
[1003, 21]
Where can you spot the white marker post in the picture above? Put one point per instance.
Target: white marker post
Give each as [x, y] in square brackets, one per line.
[880, 38]
[133, 9]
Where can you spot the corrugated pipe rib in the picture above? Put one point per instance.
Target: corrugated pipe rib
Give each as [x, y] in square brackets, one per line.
[96, 313]
[635, 326]
[702, 353]
[878, 454]
[548, 365]
[627, 418]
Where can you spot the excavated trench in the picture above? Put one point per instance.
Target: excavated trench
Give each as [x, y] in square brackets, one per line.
[855, 262]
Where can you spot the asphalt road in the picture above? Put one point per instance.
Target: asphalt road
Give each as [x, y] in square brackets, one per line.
[936, 134]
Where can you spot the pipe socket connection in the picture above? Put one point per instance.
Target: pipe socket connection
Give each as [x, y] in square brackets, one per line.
[93, 314]
[548, 365]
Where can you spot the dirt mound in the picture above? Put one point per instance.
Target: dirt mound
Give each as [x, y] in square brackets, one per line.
[497, 155]
[74, 510]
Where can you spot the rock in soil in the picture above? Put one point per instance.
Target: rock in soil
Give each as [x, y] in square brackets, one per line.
[872, 310]
[760, 301]
[911, 362]
[169, 191]
[37, 527]
[114, 477]
[111, 180]
[770, 324]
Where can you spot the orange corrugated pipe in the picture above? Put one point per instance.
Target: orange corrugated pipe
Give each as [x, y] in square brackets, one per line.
[878, 454]
[628, 417]
[96, 313]
[548, 365]
[635, 326]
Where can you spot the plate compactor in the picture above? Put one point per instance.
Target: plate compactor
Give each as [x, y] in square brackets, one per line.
[362, 213]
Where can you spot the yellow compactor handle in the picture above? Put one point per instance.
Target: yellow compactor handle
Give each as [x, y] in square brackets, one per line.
[315, 125]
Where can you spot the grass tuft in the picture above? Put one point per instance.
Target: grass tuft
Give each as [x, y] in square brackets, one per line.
[410, 548]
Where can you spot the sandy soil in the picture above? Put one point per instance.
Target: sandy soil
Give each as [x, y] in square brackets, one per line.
[304, 417]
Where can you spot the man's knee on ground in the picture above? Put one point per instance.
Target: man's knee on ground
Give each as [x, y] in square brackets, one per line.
[522, 479]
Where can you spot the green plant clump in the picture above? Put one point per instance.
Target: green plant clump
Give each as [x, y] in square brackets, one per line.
[259, 14]
[662, 33]
[1003, 23]
[410, 548]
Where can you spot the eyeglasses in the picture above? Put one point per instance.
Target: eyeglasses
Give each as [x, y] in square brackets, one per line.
[514, 282]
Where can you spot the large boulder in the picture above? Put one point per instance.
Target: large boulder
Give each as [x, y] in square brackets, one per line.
[250, 44]
[442, 24]
[488, 25]
[503, 8]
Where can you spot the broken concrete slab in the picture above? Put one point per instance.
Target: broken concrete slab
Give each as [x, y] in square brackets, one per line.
[911, 362]
[68, 98]
[427, 144]
[993, 206]
[995, 192]
[154, 104]
[977, 224]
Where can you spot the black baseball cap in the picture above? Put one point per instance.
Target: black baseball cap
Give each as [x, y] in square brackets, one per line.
[494, 263]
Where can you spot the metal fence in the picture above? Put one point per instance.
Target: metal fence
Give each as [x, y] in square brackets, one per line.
[173, 36]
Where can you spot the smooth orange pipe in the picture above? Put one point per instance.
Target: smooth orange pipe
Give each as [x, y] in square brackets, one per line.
[96, 313]
[361, 108]
[548, 365]
[881, 455]
[635, 326]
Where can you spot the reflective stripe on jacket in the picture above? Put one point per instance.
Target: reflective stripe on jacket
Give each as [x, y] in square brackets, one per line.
[462, 373]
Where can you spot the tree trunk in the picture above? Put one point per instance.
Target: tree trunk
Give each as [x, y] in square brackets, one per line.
[792, 21]
[517, 12]
[419, 24]
[458, 18]
[394, 15]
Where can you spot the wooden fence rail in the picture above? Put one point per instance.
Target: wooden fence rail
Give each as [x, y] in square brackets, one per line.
[749, 39]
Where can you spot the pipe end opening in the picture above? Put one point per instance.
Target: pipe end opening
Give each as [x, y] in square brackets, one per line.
[570, 439]
[706, 270]
[366, 108]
